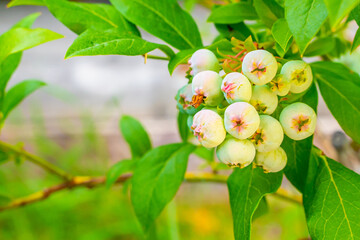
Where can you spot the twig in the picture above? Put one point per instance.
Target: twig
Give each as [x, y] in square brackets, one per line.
[90, 182]
[36, 160]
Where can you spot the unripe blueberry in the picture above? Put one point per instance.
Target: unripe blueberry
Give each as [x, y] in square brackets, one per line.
[235, 152]
[203, 60]
[207, 86]
[236, 88]
[264, 100]
[298, 121]
[184, 98]
[259, 66]
[269, 135]
[273, 161]
[280, 85]
[299, 74]
[241, 120]
[208, 127]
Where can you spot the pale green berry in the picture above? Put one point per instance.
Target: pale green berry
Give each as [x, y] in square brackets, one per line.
[280, 85]
[208, 128]
[235, 152]
[298, 121]
[207, 85]
[184, 98]
[264, 100]
[273, 161]
[269, 135]
[259, 66]
[241, 120]
[236, 88]
[299, 74]
[203, 60]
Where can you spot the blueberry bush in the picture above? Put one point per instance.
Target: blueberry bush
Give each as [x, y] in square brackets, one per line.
[251, 100]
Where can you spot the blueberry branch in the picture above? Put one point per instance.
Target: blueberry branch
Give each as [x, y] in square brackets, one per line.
[8, 148]
[90, 182]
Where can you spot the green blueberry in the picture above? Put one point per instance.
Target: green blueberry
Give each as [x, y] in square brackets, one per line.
[273, 161]
[299, 74]
[269, 135]
[264, 100]
[236, 152]
[208, 128]
[259, 66]
[203, 60]
[298, 121]
[280, 85]
[207, 85]
[241, 120]
[236, 88]
[184, 98]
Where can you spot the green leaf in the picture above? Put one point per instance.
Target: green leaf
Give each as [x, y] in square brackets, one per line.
[110, 42]
[7, 68]
[356, 41]
[182, 57]
[135, 135]
[239, 31]
[20, 39]
[280, 51]
[342, 47]
[340, 89]
[9, 65]
[205, 153]
[247, 187]
[164, 19]
[14, 3]
[233, 13]
[27, 21]
[281, 33]
[249, 44]
[355, 14]
[156, 180]
[320, 46]
[269, 11]
[183, 126]
[262, 209]
[338, 9]
[332, 200]
[304, 19]
[298, 152]
[17, 94]
[119, 168]
[79, 17]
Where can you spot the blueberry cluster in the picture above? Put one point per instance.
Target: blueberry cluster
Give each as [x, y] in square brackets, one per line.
[232, 112]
